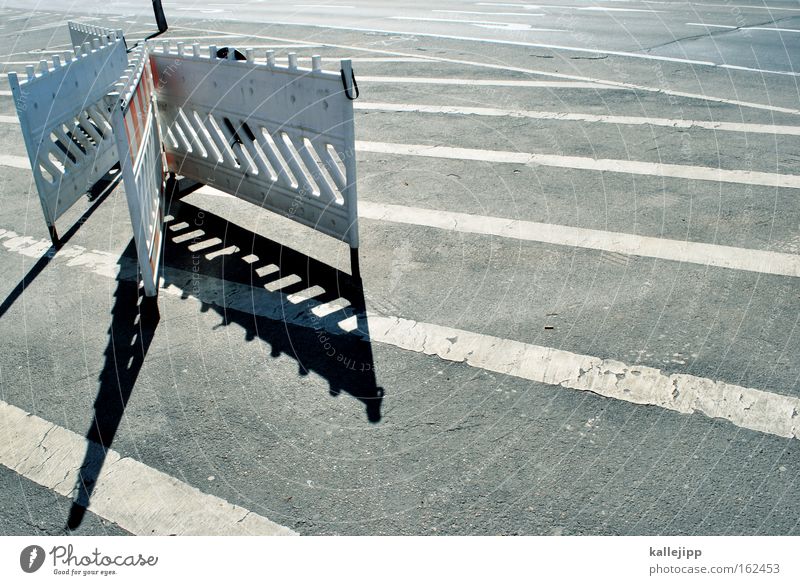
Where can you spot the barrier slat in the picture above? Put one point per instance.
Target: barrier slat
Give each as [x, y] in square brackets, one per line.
[325, 189]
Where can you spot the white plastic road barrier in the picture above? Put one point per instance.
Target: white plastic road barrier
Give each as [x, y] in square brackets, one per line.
[64, 122]
[80, 33]
[280, 137]
[135, 121]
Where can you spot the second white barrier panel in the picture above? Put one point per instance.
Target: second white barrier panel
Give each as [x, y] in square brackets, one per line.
[280, 137]
[65, 124]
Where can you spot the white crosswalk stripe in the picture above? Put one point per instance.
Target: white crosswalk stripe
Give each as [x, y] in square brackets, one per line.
[585, 163]
[578, 117]
[748, 408]
[136, 497]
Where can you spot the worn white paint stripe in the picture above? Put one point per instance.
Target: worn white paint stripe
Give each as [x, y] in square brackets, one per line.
[772, 28]
[327, 59]
[487, 13]
[525, 27]
[23, 32]
[732, 257]
[482, 82]
[729, 6]
[9, 120]
[593, 51]
[20, 63]
[685, 4]
[553, 160]
[5, 92]
[34, 54]
[284, 46]
[743, 68]
[190, 38]
[574, 117]
[748, 408]
[761, 261]
[562, 7]
[17, 162]
[585, 163]
[138, 498]
[499, 67]
[376, 59]
[706, 25]
[645, 56]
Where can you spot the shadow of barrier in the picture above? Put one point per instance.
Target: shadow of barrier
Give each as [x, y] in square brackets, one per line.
[302, 308]
[288, 147]
[134, 319]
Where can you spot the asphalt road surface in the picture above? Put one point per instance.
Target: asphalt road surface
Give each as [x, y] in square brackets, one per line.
[580, 262]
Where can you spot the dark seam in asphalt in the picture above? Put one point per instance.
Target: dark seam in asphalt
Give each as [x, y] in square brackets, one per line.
[717, 34]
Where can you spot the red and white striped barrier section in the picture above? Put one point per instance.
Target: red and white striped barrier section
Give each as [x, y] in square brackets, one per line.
[134, 119]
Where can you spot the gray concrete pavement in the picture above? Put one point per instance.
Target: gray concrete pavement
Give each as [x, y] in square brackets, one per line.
[251, 409]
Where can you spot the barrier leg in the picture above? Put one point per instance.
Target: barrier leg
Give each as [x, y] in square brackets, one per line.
[355, 269]
[54, 236]
[180, 187]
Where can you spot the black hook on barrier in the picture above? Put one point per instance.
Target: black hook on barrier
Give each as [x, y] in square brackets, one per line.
[355, 86]
[224, 53]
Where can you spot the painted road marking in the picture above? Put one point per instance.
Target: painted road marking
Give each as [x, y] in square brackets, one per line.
[487, 13]
[34, 53]
[633, 167]
[23, 32]
[752, 6]
[561, 7]
[748, 408]
[743, 68]
[711, 25]
[285, 46]
[515, 25]
[735, 258]
[646, 56]
[224, 36]
[593, 51]
[794, 30]
[364, 60]
[17, 162]
[372, 59]
[498, 67]
[482, 82]
[138, 498]
[732, 257]
[574, 117]
[20, 62]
